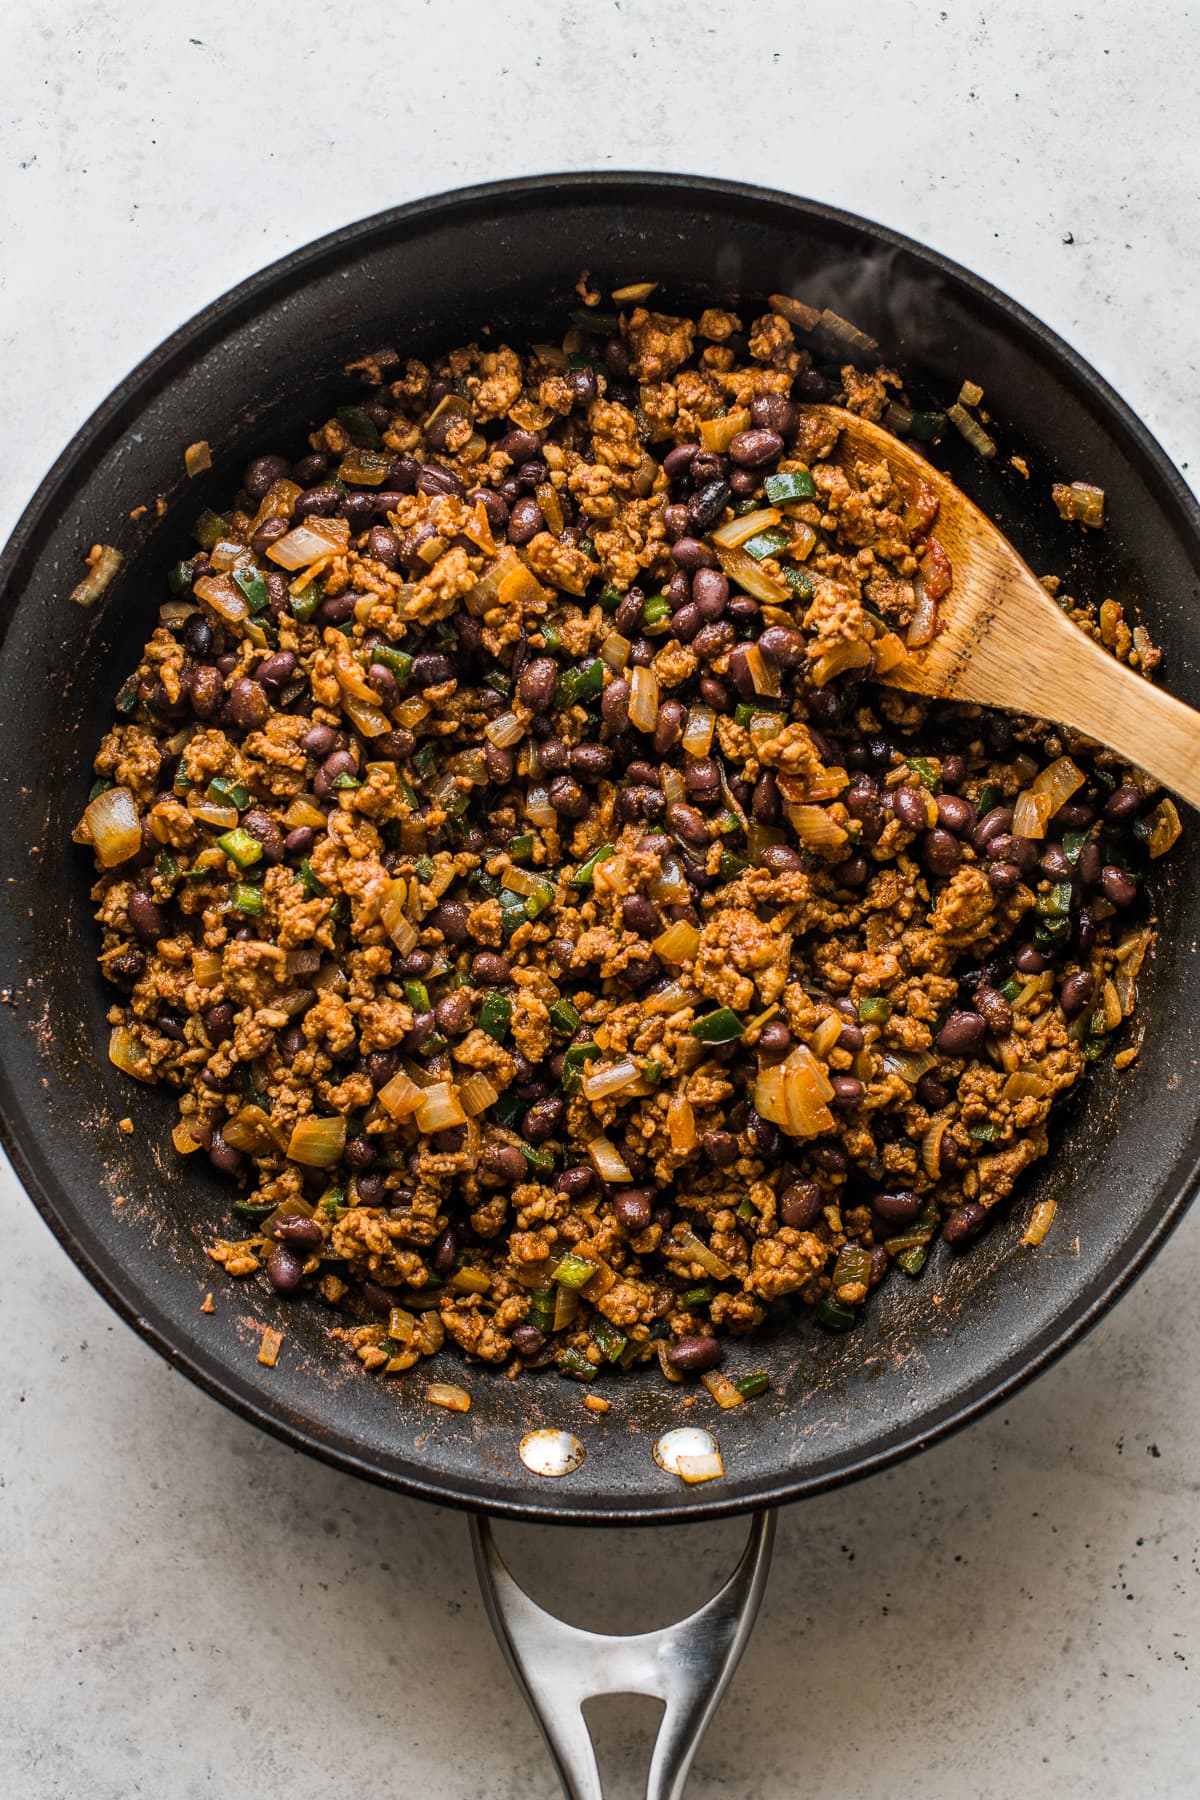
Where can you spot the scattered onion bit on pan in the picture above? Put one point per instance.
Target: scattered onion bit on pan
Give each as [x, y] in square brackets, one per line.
[272, 1343]
[1040, 1221]
[633, 293]
[1080, 502]
[970, 394]
[197, 458]
[444, 1393]
[103, 562]
[971, 429]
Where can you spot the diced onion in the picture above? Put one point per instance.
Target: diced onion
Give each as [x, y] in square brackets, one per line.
[971, 429]
[678, 943]
[816, 830]
[103, 564]
[612, 1080]
[669, 997]
[681, 1124]
[672, 1374]
[742, 568]
[312, 541]
[672, 785]
[304, 810]
[1060, 779]
[736, 531]
[931, 1149]
[670, 888]
[698, 732]
[128, 1055]
[718, 434]
[1024, 1084]
[400, 1096]
[505, 730]
[470, 1281]
[410, 713]
[317, 1143]
[909, 1065]
[484, 594]
[1030, 814]
[889, 652]
[114, 827]
[722, 1390]
[277, 503]
[538, 808]
[227, 553]
[804, 541]
[444, 1393]
[851, 653]
[394, 918]
[794, 1095]
[476, 1094]
[215, 813]
[371, 721]
[849, 334]
[183, 1139]
[223, 596]
[763, 674]
[643, 699]
[823, 1039]
[439, 1109]
[807, 318]
[684, 1242]
[522, 881]
[1165, 828]
[614, 651]
[206, 967]
[607, 1161]
[1080, 501]
[1040, 1221]
[924, 619]
[250, 1130]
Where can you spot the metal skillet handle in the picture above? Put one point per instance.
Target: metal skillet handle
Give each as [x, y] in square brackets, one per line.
[687, 1665]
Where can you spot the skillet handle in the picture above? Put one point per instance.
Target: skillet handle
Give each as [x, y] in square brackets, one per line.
[687, 1665]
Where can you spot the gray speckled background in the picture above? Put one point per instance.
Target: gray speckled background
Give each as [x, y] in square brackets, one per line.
[189, 1610]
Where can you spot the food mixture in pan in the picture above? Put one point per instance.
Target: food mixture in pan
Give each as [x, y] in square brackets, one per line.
[552, 921]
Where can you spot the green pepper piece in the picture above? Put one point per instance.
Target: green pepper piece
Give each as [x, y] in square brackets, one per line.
[609, 598]
[537, 902]
[344, 783]
[541, 1160]
[913, 1261]
[990, 796]
[209, 529]
[586, 872]
[240, 847]
[656, 615]
[698, 1296]
[360, 427]
[1012, 989]
[167, 868]
[1072, 843]
[577, 685]
[600, 324]
[573, 1271]
[1056, 904]
[253, 587]
[875, 1010]
[982, 1134]
[767, 543]
[424, 758]
[99, 787]
[552, 638]
[246, 899]
[743, 713]
[925, 772]
[423, 868]
[652, 1072]
[927, 427]
[743, 508]
[521, 848]
[834, 1316]
[222, 790]
[790, 484]
[126, 701]
[305, 601]
[610, 1342]
[417, 995]
[800, 581]
[398, 661]
[751, 1386]
[258, 1210]
[179, 577]
[564, 1018]
[339, 912]
[573, 1065]
[731, 866]
[495, 1016]
[311, 881]
[573, 1362]
[719, 1027]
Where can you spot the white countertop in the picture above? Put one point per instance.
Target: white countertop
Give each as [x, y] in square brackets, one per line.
[190, 1610]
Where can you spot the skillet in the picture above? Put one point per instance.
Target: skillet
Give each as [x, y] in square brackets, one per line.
[249, 374]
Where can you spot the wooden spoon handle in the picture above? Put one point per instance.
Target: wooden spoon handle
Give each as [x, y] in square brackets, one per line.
[1074, 682]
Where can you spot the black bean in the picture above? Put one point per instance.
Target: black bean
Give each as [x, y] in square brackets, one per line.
[543, 1120]
[505, 1161]
[275, 671]
[297, 1231]
[639, 914]
[268, 533]
[248, 704]
[1054, 864]
[450, 918]
[553, 755]
[781, 859]
[690, 554]
[847, 1090]
[755, 448]
[744, 482]
[669, 726]
[223, 1156]
[942, 853]
[852, 1038]
[743, 610]
[782, 646]
[128, 965]
[675, 521]
[416, 965]
[1003, 877]
[628, 616]
[300, 841]
[996, 823]
[537, 682]
[706, 506]
[855, 872]
[702, 778]
[641, 774]
[490, 970]
[198, 636]
[964, 1223]
[896, 1207]
[431, 669]
[955, 814]
[494, 505]
[310, 468]
[634, 1208]
[359, 508]
[527, 1340]
[434, 479]
[206, 691]
[567, 797]
[1076, 992]
[337, 610]
[370, 1187]
[285, 1270]
[678, 461]
[1124, 802]
[592, 761]
[932, 1093]
[575, 1182]
[171, 1026]
[259, 823]
[687, 823]
[1030, 960]
[1090, 864]
[319, 740]
[1076, 815]
[910, 807]
[707, 466]
[360, 1154]
[501, 764]
[766, 806]
[710, 594]
[686, 623]
[318, 502]
[339, 762]
[766, 1138]
[774, 412]
[801, 1204]
[995, 1009]
[693, 1355]
[384, 546]
[720, 1147]
[519, 445]
[614, 708]
[831, 1157]
[1083, 935]
[962, 1033]
[453, 1013]
[148, 919]
[525, 520]
[380, 1065]
[262, 474]
[291, 1043]
[774, 1041]
[1116, 886]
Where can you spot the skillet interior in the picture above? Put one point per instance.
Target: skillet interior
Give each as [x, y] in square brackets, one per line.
[248, 375]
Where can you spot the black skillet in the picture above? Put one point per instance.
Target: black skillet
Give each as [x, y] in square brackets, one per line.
[250, 373]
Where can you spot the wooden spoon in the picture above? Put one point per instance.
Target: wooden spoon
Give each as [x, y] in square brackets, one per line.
[1001, 640]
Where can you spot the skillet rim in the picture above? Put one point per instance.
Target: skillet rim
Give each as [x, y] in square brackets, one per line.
[211, 1371]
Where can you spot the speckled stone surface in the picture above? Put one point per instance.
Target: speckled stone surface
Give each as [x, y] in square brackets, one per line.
[189, 1610]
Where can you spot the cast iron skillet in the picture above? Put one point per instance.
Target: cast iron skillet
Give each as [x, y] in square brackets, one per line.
[249, 374]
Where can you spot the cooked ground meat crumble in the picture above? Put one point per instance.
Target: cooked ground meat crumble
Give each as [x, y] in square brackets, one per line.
[513, 852]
